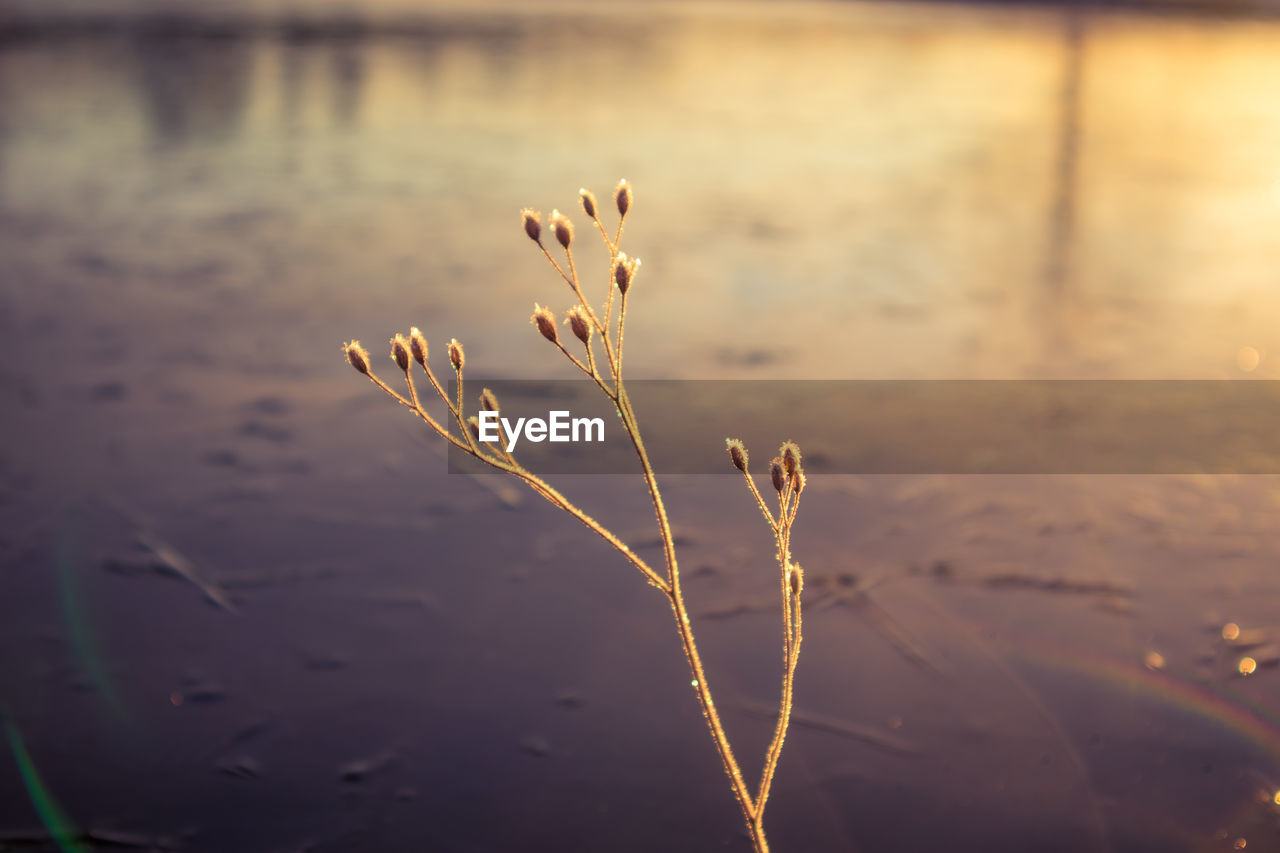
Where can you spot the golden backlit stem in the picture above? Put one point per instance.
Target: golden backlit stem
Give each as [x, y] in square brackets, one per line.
[784, 716]
[764, 508]
[676, 595]
[795, 506]
[537, 483]
[590, 369]
[595, 373]
[456, 411]
[574, 285]
[622, 323]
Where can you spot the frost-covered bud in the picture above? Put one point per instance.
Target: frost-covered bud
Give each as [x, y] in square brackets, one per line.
[562, 227]
[737, 453]
[358, 356]
[579, 324]
[776, 474]
[400, 352]
[790, 453]
[456, 356]
[622, 197]
[488, 401]
[588, 202]
[532, 224]
[418, 346]
[546, 322]
[473, 423]
[624, 271]
[798, 481]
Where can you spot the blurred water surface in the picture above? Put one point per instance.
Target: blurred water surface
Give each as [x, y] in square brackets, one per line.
[196, 209]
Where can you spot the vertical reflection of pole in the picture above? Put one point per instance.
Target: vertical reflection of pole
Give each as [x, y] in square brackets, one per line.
[1062, 215]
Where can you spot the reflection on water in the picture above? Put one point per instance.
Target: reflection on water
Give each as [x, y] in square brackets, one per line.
[964, 193]
[193, 217]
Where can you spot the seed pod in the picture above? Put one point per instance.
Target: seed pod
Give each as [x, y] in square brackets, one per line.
[737, 453]
[400, 352]
[456, 356]
[546, 322]
[562, 227]
[776, 475]
[622, 197]
[790, 453]
[588, 202]
[624, 271]
[532, 224]
[795, 577]
[474, 424]
[418, 346]
[579, 324]
[358, 356]
[798, 481]
[488, 401]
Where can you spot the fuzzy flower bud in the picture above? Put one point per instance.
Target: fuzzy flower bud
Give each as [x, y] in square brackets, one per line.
[624, 271]
[358, 356]
[456, 356]
[790, 453]
[798, 481]
[546, 322]
[795, 578]
[473, 423]
[400, 352]
[622, 197]
[418, 346]
[579, 325]
[562, 227]
[532, 224]
[737, 453]
[776, 475]
[488, 401]
[588, 202]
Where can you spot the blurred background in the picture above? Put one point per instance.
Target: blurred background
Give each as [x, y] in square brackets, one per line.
[243, 607]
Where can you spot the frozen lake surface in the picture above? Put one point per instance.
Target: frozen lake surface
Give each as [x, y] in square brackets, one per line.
[244, 607]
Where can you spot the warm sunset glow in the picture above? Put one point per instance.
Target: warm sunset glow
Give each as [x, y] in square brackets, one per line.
[1247, 359]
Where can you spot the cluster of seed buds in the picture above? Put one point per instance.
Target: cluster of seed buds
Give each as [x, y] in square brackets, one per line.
[405, 350]
[786, 475]
[583, 319]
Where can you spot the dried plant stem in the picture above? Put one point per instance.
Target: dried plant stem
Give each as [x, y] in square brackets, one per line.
[676, 594]
[789, 485]
[791, 619]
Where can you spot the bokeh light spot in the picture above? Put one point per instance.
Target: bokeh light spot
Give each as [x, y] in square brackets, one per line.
[1230, 631]
[1247, 359]
[1247, 666]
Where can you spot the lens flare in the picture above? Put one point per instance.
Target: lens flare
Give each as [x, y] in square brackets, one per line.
[55, 821]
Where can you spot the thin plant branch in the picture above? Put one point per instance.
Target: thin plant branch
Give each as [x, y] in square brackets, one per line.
[785, 472]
